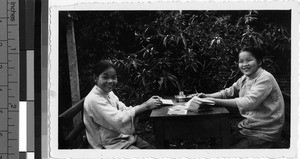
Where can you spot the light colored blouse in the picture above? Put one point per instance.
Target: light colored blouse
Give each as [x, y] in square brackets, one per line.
[260, 102]
[108, 121]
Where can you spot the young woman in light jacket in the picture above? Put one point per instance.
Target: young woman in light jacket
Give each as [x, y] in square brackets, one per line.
[109, 123]
[259, 100]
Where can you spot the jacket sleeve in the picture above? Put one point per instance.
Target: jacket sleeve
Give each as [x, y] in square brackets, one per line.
[233, 90]
[256, 95]
[110, 117]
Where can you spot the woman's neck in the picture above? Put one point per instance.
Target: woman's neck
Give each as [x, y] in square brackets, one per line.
[256, 73]
[102, 91]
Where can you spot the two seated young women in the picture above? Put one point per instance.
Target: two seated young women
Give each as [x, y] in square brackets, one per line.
[110, 124]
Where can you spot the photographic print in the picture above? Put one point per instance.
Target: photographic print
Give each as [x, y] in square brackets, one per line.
[185, 79]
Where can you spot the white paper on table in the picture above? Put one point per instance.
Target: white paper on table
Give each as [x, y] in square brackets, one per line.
[177, 110]
[167, 102]
[202, 100]
[191, 106]
[187, 104]
[195, 103]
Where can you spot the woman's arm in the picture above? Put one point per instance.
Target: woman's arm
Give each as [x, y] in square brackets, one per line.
[224, 102]
[150, 104]
[212, 95]
[258, 93]
[230, 92]
[252, 98]
[141, 108]
[108, 116]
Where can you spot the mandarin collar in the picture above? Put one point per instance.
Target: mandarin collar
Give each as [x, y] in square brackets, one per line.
[256, 74]
[100, 91]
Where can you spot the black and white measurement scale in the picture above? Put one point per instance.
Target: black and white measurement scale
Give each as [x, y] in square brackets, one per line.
[9, 79]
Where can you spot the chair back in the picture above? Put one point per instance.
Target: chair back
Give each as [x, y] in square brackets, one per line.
[70, 136]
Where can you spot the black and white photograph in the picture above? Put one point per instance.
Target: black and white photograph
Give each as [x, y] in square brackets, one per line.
[171, 79]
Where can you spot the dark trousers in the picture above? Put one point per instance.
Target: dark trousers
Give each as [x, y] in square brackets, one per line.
[241, 141]
[141, 144]
[251, 142]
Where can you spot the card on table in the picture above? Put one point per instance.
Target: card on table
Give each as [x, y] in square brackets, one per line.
[167, 102]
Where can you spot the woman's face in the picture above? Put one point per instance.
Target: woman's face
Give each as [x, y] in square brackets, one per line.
[107, 80]
[248, 64]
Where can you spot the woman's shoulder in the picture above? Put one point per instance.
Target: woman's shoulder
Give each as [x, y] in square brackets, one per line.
[267, 78]
[241, 79]
[113, 95]
[93, 97]
[267, 75]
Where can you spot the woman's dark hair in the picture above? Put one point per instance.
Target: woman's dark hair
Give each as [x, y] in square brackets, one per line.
[101, 66]
[257, 52]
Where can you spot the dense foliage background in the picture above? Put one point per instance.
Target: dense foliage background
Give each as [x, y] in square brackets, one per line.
[164, 52]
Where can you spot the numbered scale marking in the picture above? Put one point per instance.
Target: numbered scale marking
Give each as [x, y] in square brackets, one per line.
[9, 79]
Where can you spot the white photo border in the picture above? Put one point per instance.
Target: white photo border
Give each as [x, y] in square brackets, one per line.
[65, 5]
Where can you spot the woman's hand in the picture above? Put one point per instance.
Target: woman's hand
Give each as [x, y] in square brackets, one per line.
[202, 95]
[194, 104]
[153, 102]
[210, 95]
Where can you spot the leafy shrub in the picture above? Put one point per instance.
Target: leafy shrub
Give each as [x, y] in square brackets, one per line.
[164, 52]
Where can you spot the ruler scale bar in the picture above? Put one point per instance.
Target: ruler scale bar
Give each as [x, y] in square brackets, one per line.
[3, 81]
[9, 86]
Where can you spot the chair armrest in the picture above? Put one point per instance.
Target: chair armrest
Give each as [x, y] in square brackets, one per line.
[71, 112]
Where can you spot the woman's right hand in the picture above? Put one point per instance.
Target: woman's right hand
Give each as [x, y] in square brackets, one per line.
[153, 102]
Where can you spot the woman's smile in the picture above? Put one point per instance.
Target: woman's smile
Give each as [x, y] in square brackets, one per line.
[247, 63]
[110, 86]
[246, 68]
[107, 80]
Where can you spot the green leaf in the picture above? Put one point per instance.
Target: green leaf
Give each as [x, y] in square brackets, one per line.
[177, 40]
[161, 80]
[134, 64]
[212, 42]
[183, 40]
[165, 41]
[143, 80]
